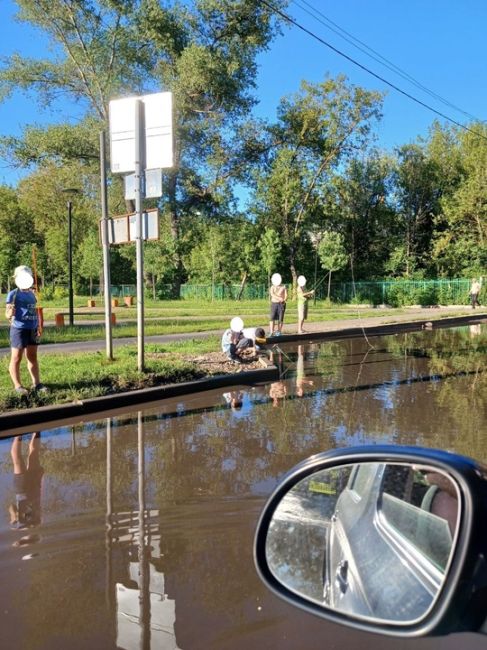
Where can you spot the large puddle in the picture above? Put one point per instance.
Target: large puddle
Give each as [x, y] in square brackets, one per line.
[136, 532]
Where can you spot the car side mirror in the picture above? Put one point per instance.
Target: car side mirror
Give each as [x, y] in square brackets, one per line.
[386, 539]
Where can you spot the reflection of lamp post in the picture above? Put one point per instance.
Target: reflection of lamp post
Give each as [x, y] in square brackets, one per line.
[70, 190]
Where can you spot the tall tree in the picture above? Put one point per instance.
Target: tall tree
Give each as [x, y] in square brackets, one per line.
[204, 52]
[318, 129]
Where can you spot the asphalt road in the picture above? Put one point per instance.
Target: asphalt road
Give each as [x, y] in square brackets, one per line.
[414, 314]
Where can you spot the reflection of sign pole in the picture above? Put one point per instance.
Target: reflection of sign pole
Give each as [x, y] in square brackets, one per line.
[139, 240]
[106, 248]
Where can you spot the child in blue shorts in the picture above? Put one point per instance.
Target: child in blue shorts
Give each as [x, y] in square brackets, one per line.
[25, 330]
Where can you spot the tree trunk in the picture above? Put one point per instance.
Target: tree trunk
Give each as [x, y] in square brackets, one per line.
[292, 266]
[329, 284]
[174, 226]
[153, 286]
[91, 288]
[242, 286]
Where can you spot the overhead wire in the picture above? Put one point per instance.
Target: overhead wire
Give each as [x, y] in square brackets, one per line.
[320, 17]
[321, 40]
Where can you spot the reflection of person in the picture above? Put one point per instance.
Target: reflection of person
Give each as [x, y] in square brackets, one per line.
[441, 499]
[278, 295]
[300, 376]
[475, 288]
[303, 296]
[277, 391]
[234, 399]
[234, 343]
[25, 330]
[26, 511]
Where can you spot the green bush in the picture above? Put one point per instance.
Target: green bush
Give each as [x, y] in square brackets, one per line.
[60, 293]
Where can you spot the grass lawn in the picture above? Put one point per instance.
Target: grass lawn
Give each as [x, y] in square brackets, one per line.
[90, 374]
[176, 316]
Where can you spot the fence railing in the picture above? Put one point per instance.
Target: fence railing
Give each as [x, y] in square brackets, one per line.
[389, 292]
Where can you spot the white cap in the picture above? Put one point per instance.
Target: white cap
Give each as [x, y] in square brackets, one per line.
[236, 324]
[276, 279]
[301, 280]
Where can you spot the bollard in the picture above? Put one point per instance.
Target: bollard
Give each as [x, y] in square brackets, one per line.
[114, 319]
[59, 320]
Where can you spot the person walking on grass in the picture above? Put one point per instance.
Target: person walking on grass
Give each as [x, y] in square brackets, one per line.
[303, 296]
[25, 330]
[278, 295]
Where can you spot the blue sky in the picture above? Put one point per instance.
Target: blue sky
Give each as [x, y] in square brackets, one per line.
[441, 44]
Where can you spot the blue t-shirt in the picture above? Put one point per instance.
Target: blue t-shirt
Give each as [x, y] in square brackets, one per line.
[25, 317]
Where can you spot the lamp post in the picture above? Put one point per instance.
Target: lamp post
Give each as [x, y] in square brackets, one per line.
[70, 190]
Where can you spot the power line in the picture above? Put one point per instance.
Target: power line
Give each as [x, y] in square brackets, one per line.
[376, 56]
[294, 22]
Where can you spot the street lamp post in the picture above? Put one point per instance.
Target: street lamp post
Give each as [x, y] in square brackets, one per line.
[70, 263]
[70, 190]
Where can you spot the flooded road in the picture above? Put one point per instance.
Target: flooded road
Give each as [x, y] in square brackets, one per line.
[136, 531]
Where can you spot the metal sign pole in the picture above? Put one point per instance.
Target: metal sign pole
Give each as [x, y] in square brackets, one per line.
[106, 248]
[139, 240]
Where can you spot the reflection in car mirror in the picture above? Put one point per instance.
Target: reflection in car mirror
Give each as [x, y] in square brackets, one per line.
[379, 538]
[373, 540]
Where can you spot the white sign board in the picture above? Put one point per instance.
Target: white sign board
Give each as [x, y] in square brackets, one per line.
[158, 132]
[153, 185]
[122, 230]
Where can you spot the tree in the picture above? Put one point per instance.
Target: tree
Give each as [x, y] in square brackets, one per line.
[269, 245]
[90, 258]
[17, 234]
[319, 128]
[332, 254]
[357, 206]
[460, 240]
[417, 194]
[205, 53]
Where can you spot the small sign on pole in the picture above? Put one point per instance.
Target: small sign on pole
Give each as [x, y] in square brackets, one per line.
[152, 184]
[122, 229]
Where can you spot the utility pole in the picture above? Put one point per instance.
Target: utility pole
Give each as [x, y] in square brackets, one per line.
[139, 238]
[106, 248]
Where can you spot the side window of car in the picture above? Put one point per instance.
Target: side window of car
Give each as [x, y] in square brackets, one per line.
[361, 479]
[406, 507]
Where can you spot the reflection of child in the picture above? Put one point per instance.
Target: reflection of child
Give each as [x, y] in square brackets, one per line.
[300, 376]
[26, 511]
[234, 399]
[277, 391]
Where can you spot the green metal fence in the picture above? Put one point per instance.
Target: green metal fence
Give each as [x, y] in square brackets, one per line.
[390, 292]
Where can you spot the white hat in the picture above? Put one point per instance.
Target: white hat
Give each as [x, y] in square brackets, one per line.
[276, 279]
[301, 280]
[23, 277]
[236, 324]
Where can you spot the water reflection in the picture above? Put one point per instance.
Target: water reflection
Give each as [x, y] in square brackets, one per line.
[25, 510]
[147, 519]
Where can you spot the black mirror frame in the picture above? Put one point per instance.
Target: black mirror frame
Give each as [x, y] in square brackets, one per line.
[462, 602]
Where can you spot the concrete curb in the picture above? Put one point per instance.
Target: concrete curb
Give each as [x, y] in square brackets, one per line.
[44, 417]
[378, 330]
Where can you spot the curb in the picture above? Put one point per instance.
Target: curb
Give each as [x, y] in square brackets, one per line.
[378, 330]
[43, 417]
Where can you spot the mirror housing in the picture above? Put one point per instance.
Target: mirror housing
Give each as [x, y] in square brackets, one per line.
[461, 602]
